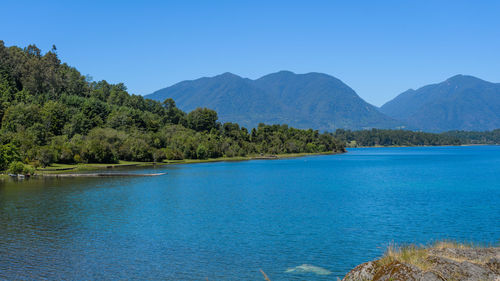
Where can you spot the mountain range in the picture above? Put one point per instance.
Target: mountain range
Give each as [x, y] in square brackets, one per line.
[460, 103]
[312, 100]
[323, 102]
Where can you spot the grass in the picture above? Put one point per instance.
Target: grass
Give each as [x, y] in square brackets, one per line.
[192, 161]
[453, 245]
[57, 168]
[62, 168]
[243, 158]
[418, 255]
[410, 254]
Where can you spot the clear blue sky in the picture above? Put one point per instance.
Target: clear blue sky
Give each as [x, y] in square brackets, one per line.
[379, 48]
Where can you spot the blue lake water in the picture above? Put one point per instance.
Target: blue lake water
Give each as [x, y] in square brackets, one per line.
[227, 220]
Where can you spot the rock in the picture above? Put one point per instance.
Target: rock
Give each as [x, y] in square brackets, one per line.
[436, 264]
[494, 264]
[364, 271]
[397, 271]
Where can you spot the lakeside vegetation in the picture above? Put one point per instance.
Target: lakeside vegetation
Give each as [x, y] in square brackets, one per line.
[417, 255]
[382, 137]
[471, 137]
[50, 113]
[61, 168]
[441, 260]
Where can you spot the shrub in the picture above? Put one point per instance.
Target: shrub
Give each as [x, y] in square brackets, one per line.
[16, 167]
[8, 154]
[28, 170]
[201, 152]
[173, 154]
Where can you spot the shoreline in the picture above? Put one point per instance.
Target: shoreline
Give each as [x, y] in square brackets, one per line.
[441, 145]
[96, 175]
[70, 170]
[248, 158]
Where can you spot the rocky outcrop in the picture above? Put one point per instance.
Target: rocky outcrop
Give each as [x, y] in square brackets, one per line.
[433, 264]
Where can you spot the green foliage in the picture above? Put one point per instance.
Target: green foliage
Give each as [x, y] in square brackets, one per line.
[100, 146]
[173, 154]
[16, 167]
[312, 100]
[201, 152]
[51, 113]
[54, 115]
[378, 137]
[202, 119]
[28, 170]
[19, 116]
[461, 102]
[8, 153]
[173, 115]
[487, 137]
[44, 156]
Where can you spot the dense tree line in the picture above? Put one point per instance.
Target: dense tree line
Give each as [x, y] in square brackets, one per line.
[468, 137]
[50, 113]
[380, 137]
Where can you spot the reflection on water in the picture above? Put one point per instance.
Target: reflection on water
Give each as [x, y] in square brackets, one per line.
[225, 221]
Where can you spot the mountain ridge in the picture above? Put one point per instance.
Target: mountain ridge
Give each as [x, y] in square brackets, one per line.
[461, 102]
[310, 100]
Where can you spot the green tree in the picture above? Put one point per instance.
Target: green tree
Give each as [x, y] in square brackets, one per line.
[8, 154]
[202, 119]
[49, 113]
[55, 116]
[173, 115]
[201, 152]
[44, 156]
[16, 167]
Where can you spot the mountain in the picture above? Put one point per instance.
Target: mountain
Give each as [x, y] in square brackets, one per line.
[312, 100]
[460, 103]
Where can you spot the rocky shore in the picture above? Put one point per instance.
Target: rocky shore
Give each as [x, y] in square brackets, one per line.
[440, 262]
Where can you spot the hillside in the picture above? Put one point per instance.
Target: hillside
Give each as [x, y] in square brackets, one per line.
[312, 100]
[459, 103]
[50, 113]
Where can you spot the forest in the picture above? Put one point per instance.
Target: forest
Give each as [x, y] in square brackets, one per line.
[51, 113]
[384, 137]
[473, 137]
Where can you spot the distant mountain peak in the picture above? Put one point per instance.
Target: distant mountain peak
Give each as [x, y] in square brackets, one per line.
[285, 72]
[461, 79]
[461, 102]
[282, 74]
[456, 77]
[312, 100]
[227, 75]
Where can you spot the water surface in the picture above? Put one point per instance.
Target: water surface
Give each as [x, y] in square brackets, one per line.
[227, 220]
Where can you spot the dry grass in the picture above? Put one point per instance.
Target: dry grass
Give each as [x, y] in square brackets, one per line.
[410, 254]
[418, 255]
[451, 245]
[456, 245]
